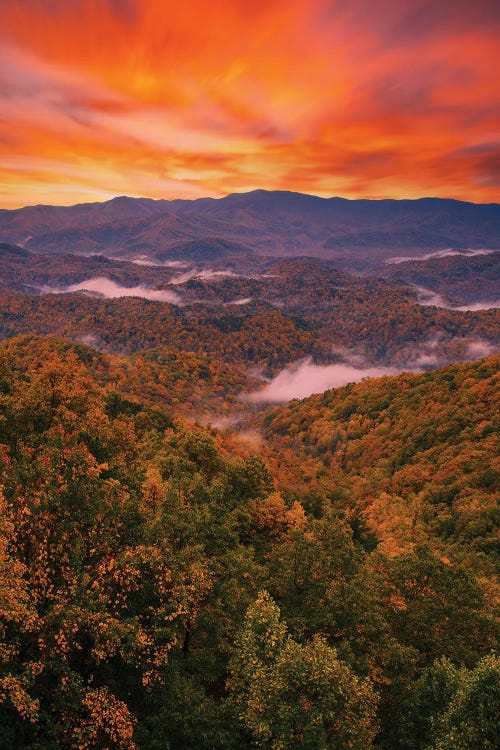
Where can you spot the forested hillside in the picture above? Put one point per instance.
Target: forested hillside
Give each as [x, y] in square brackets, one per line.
[460, 277]
[385, 324]
[250, 379]
[414, 458]
[163, 377]
[255, 314]
[161, 587]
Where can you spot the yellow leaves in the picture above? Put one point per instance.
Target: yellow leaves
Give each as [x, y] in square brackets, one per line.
[144, 604]
[153, 491]
[105, 636]
[396, 521]
[61, 645]
[16, 602]
[296, 517]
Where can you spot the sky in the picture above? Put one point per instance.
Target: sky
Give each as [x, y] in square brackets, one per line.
[168, 99]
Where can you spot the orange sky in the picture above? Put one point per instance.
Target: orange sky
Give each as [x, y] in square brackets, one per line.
[360, 98]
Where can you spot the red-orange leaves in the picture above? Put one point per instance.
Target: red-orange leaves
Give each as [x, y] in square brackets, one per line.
[106, 722]
[272, 515]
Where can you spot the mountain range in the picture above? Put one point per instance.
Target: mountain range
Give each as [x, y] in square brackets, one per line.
[275, 223]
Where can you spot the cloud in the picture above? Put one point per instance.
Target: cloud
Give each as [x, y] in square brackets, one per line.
[440, 350]
[210, 274]
[207, 273]
[305, 378]
[410, 109]
[479, 348]
[468, 253]
[477, 306]
[428, 298]
[145, 260]
[111, 289]
[242, 301]
[90, 339]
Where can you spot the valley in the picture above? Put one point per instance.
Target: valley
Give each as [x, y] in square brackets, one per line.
[246, 445]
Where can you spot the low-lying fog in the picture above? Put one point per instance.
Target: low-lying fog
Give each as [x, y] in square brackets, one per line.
[428, 298]
[304, 378]
[241, 301]
[145, 260]
[111, 289]
[469, 252]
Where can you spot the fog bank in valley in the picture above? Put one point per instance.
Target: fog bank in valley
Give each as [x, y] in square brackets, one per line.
[438, 254]
[428, 298]
[305, 378]
[111, 289]
[439, 351]
[476, 306]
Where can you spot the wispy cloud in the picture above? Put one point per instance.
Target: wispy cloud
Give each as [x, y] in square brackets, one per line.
[146, 260]
[479, 348]
[90, 339]
[304, 378]
[440, 350]
[477, 306]
[206, 273]
[468, 253]
[111, 289]
[428, 298]
[241, 301]
[410, 109]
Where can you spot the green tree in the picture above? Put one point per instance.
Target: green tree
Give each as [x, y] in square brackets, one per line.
[472, 718]
[296, 696]
[427, 698]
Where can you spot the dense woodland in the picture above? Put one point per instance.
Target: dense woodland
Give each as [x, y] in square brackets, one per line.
[183, 568]
[164, 585]
[462, 278]
[267, 318]
[385, 323]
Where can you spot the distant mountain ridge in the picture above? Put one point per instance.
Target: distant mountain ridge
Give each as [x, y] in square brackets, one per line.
[278, 223]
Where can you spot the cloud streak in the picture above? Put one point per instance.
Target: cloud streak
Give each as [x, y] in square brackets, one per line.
[111, 290]
[468, 253]
[305, 378]
[477, 306]
[207, 273]
[439, 351]
[409, 111]
[429, 298]
[240, 301]
[146, 260]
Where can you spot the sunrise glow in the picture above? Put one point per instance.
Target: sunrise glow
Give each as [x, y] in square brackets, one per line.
[186, 99]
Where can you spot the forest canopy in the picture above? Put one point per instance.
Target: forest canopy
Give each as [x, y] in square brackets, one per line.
[164, 585]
